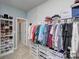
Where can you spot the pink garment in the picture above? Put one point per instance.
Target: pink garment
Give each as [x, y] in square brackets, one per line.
[33, 32]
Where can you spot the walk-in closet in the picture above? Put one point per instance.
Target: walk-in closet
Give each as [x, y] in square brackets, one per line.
[39, 29]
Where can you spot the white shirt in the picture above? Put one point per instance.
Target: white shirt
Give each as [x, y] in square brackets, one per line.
[75, 40]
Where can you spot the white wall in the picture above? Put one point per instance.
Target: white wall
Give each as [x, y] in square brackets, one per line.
[50, 8]
[12, 11]
[32, 15]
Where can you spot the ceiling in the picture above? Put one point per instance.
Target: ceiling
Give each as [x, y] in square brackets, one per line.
[25, 5]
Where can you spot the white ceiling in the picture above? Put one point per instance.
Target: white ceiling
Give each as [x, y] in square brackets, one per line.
[25, 5]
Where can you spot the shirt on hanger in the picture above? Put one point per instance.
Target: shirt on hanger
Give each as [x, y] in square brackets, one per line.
[58, 38]
[36, 34]
[75, 39]
[67, 35]
[49, 40]
[52, 32]
[43, 34]
[78, 43]
[29, 32]
[34, 27]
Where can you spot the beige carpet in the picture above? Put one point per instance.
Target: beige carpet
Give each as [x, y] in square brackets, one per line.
[21, 53]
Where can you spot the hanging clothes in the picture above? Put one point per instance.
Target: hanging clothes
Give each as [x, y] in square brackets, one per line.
[58, 38]
[52, 32]
[77, 53]
[29, 32]
[43, 34]
[34, 27]
[49, 40]
[78, 44]
[41, 31]
[36, 34]
[75, 39]
[67, 37]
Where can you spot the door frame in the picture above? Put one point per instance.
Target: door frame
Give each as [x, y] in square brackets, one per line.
[17, 31]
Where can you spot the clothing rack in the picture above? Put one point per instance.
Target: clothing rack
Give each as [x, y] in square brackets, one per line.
[66, 20]
[73, 20]
[45, 52]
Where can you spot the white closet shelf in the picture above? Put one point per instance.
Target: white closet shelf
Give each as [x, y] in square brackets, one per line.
[45, 52]
[6, 19]
[11, 51]
[7, 36]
